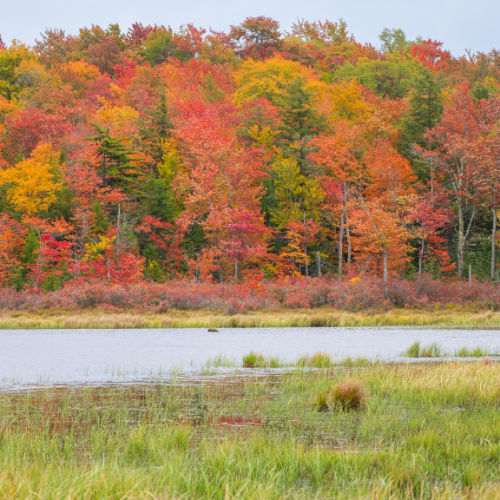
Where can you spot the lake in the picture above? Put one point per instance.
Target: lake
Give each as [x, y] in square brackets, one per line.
[31, 358]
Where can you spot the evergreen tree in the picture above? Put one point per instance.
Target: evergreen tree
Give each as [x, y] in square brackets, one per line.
[426, 108]
[116, 167]
[300, 122]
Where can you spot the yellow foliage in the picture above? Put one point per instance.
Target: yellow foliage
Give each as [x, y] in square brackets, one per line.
[298, 196]
[83, 69]
[270, 78]
[348, 102]
[263, 136]
[122, 119]
[98, 248]
[31, 184]
[169, 165]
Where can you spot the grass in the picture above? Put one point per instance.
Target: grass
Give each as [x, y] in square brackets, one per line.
[476, 352]
[434, 351]
[349, 395]
[426, 431]
[430, 351]
[318, 317]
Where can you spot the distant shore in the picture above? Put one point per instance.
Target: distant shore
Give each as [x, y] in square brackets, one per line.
[457, 317]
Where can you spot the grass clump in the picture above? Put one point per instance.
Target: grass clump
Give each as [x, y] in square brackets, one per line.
[356, 362]
[254, 360]
[430, 351]
[321, 402]
[345, 396]
[257, 360]
[349, 395]
[476, 352]
[317, 360]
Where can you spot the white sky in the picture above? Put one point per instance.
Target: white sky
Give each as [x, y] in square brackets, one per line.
[460, 24]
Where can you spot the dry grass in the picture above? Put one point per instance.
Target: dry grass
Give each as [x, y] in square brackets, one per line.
[322, 316]
[348, 395]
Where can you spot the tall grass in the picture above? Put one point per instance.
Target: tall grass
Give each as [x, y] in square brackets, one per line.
[315, 317]
[427, 431]
[434, 351]
[430, 351]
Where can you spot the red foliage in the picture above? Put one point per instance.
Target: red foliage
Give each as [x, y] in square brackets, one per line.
[431, 55]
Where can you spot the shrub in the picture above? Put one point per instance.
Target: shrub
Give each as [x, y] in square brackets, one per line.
[366, 293]
[348, 395]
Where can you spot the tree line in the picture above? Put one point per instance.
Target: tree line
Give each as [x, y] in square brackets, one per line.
[158, 154]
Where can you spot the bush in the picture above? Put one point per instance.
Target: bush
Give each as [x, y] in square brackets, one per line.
[354, 295]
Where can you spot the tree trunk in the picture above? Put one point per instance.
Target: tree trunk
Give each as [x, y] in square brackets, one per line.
[470, 273]
[341, 243]
[318, 261]
[385, 264]
[117, 243]
[420, 258]
[236, 270]
[493, 243]
[343, 221]
[349, 249]
[461, 238]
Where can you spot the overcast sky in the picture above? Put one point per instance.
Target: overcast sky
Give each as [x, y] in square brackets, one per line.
[460, 24]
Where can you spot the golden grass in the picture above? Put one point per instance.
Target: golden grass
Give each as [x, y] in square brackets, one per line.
[322, 316]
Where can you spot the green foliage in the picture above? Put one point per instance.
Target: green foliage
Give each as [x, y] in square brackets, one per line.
[115, 166]
[161, 45]
[296, 196]
[26, 260]
[426, 108]
[301, 122]
[394, 40]
[154, 272]
[390, 78]
[9, 61]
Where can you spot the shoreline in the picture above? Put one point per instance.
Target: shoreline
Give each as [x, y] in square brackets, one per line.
[457, 317]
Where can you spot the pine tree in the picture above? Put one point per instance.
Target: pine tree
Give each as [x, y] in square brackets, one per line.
[426, 108]
[116, 167]
[300, 122]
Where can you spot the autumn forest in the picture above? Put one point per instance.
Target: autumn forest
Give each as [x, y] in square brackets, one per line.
[153, 155]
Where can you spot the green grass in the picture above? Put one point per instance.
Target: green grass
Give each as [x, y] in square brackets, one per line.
[476, 352]
[317, 360]
[446, 317]
[434, 351]
[424, 431]
[430, 351]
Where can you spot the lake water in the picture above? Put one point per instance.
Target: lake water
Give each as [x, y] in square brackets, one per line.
[44, 357]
